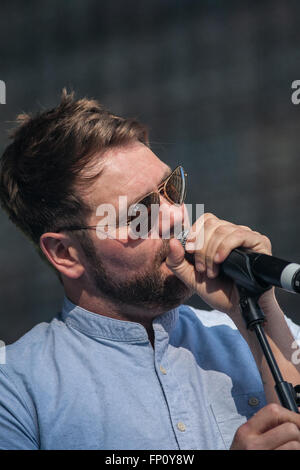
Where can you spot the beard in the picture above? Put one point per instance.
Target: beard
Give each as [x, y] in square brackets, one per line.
[152, 288]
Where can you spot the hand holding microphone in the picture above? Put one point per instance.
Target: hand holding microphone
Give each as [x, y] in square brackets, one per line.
[220, 239]
[255, 271]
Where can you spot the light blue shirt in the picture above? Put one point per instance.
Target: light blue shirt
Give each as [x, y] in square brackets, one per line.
[86, 381]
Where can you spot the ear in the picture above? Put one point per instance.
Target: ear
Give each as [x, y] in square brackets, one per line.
[63, 253]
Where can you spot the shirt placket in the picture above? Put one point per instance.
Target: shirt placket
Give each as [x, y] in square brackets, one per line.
[169, 379]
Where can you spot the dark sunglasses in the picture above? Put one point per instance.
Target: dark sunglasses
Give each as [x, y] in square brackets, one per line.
[173, 189]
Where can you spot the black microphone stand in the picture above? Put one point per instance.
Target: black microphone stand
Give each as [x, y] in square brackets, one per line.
[250, 291]
[255, 320]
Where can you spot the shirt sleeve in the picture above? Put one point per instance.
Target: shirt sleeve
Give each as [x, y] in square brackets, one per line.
[18, 430]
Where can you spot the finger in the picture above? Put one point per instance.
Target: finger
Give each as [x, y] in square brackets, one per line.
[176, 254]
[195, 241]
[179, 265]
[251, 439]
[201, 234]
[222, 231]
[270, 416]
[242, 239]
[293, 445]
[195, 238]
[280, 435]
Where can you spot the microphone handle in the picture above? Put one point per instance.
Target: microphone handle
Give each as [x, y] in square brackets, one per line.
[237, 267]
[266, 270]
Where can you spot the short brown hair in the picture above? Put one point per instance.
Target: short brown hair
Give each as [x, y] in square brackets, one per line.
[40, 169]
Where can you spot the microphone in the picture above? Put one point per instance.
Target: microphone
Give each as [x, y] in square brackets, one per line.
[251, 270]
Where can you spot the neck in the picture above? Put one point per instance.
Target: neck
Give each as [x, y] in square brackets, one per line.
[98, 304]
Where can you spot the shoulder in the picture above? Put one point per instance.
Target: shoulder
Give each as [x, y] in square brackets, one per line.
[23, 364]
[35, 341]
[29, 356]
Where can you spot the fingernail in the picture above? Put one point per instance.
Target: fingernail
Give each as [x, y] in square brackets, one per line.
[217, 257]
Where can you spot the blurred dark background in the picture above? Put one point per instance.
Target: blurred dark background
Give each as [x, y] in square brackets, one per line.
[212, 79]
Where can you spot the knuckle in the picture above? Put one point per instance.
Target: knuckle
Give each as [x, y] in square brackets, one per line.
[242, 433]
[274, 409]
[222, 246]
[209, 223]
[267, 241]
[251, 444]
[239, 232]
[208, 215]
[292, 430]
[245, 438]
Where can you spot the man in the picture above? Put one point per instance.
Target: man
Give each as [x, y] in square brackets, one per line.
[126, 365]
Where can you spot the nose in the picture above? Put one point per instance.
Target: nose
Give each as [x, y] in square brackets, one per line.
[172, 218]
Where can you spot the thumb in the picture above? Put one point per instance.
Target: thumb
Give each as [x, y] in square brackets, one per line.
[177, 262]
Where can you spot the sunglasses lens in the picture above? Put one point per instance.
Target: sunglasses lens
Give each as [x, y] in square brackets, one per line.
[144, 212]
[143, 215]
[176, 187]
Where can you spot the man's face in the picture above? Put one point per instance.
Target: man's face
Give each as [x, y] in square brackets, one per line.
[125, 270]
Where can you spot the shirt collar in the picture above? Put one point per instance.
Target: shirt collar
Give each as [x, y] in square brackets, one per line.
[100, 326]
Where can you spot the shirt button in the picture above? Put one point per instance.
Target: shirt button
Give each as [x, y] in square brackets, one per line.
[253, 401]
[163, 370]
[181, 426]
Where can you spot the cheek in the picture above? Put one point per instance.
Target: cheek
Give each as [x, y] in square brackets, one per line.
[134, 255]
